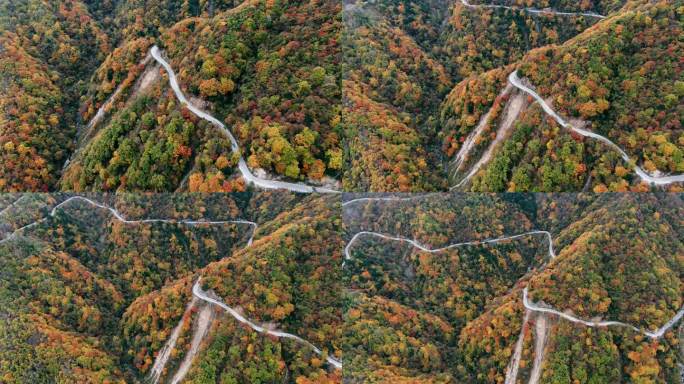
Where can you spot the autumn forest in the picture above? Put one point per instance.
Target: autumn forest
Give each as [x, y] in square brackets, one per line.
[362, 288]
[341, 191]
[320, 95]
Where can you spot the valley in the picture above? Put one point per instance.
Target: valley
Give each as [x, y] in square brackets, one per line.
[341, 192]
[146, 292]
[498, 284]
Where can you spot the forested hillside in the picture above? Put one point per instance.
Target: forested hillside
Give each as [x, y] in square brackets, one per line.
[272, 73]
[390, 95]
[435, 305]
[392, 87]
[49, 49]
[87, 297]
[85, 103]
[609, 69]
[615, 81]
[356, 191]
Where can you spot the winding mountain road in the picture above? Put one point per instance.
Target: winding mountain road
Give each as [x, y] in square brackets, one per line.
[119, 217]
[541, 325]
[199, 293]
[533, 10]
[657, 180]
[165, 352]
[425, 248]
[658, 333]
[247, 174]
[387, 198]
[513, 366]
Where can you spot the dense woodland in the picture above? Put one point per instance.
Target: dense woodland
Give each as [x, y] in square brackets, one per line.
[358, 96]
[616, 81]
[272, 71]
[454, 316]
[414, 74]
[269, 69]
[49, 48]
[617, 76]
[361, 96]
[391, 87]
[87, 298]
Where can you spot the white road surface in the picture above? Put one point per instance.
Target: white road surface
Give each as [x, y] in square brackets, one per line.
[658, 333]
[199, 293]
[533, 10]
[425, 248]
[247, 174]
[657, 180]
[119, 217]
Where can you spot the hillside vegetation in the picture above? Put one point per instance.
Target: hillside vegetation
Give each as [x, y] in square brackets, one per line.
[389, 95]
[88, 298]
[457, 315]
[616, 79]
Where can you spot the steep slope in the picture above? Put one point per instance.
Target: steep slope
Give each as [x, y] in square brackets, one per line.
[402, 56]
[614, 274]
[96, 291]
[153, 144]
[271, 77]
[55, 110]
[591, 81]
[438, 219]
[443, 289]
[288, 277]
[46, 48]
[134, 18]
[391, 88]
[53, 308]
[481, 35]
